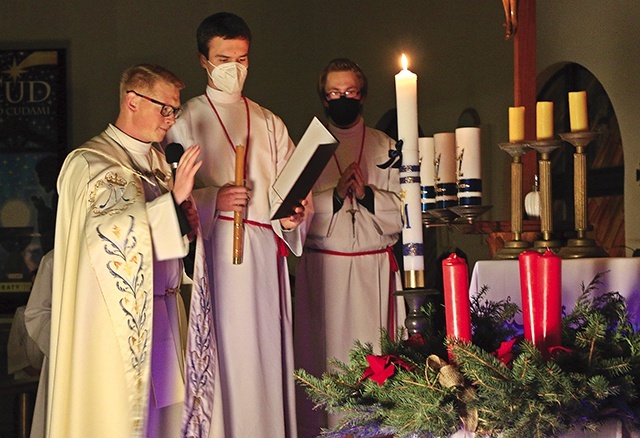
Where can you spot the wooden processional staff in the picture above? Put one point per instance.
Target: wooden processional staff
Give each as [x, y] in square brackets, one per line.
[238, 227]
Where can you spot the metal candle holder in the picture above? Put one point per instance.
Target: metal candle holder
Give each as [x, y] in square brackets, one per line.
[456, 215]
[416, 321]
[581, 246]
[544, 148]
[514, 247]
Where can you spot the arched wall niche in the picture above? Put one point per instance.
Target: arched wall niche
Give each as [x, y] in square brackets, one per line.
[605, 157]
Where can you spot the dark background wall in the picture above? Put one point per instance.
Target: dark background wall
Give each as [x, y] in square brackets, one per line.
[457, 48]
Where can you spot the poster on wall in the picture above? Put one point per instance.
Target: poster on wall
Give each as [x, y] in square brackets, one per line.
[33, 137]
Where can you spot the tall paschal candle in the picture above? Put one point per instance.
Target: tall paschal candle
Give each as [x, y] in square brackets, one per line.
[455, 277]
[412, 242]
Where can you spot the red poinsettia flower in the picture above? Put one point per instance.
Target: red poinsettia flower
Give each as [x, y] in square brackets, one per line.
[382, 367]
[505, 352]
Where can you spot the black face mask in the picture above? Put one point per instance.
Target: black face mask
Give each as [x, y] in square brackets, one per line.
[343, 111]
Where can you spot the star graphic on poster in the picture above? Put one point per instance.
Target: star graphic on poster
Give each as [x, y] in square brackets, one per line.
[37, 58]
[15, 71]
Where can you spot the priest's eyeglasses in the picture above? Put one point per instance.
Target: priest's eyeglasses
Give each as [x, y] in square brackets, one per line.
[165, 110]
[349, 94]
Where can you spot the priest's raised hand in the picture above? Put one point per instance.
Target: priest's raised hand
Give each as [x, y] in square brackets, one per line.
[185, 174]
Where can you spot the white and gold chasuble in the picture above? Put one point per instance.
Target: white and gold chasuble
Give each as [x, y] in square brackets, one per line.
[117, 237]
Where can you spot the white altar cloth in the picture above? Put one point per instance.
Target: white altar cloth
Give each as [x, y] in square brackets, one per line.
[622, 274]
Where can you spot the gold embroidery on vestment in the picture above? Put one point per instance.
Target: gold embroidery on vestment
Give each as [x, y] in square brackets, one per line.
[113, 194]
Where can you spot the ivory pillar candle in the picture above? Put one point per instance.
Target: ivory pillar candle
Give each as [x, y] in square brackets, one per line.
[544, 120]
[445, 169]
[516, 124]
[578, 114]
[407, 109]
[427, 151]
[469, 166]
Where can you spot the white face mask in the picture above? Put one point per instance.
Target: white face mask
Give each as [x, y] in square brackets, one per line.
[229, 76]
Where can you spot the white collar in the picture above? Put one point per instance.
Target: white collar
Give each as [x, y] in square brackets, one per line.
[222, 97]
[131, 144]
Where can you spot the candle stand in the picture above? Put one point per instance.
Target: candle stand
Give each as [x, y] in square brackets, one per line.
[514, 247]
[456, 215]
[416, 321]
[443, 216]
[469, 213]
[544, 148]
[430, 220]
[581, 246]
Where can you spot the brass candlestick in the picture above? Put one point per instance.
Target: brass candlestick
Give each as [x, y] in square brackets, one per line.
[544, 148]
[514, 247]
[581, 246]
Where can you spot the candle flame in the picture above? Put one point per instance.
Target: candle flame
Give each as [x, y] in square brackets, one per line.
[404, 62]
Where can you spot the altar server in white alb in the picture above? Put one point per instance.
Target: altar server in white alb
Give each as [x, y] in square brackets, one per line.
[37, 320]
[347, 274]
[253, 312]
[117, 356]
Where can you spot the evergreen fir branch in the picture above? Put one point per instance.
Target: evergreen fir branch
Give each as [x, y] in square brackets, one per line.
[615, 367]
[595, 378]
[478, 365]
[490, 320]
[522, 369]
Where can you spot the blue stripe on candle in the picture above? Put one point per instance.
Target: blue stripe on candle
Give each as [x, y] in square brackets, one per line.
[470, 185]
[446, 203]
[447, 189]
[428, 191]
[409, 179]
[405, 168]
[412, 249]
[470, 200]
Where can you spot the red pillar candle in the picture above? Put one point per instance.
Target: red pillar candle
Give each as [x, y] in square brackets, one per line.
[455, 276]
[528, 261]
[550, 313]
[540, 286]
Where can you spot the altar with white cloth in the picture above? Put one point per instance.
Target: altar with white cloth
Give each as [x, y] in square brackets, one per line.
[620, 274]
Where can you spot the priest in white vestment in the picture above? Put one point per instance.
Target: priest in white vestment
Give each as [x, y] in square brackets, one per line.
[117, 357]
[347, 273]
[252, 300]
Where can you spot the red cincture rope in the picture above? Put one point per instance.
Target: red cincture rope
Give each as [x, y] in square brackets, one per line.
[283, 249]
[393, 268]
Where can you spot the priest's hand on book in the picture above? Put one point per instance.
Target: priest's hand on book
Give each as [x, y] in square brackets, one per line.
[291, 222]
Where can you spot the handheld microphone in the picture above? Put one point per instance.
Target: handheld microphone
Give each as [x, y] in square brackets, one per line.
[173, 152]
